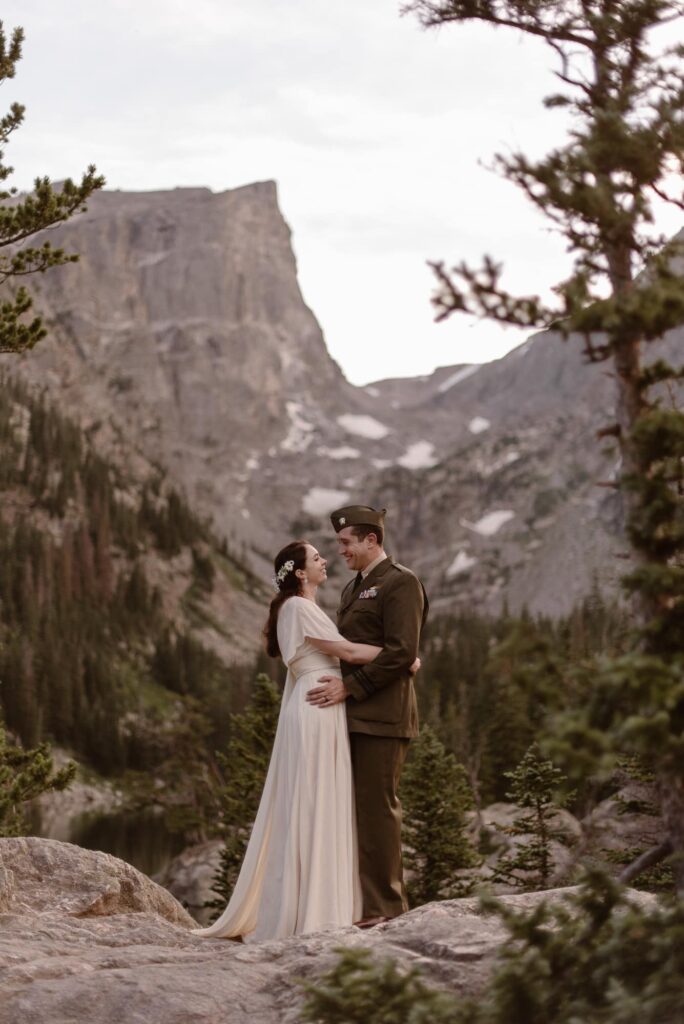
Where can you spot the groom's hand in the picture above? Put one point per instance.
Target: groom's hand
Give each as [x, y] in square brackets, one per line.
[333, 691]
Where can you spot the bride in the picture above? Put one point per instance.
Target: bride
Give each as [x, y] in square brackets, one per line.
[300, 871]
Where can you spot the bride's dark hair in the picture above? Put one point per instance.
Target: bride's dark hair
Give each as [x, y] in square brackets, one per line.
[289, 585]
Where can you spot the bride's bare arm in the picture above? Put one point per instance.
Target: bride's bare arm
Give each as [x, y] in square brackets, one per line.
[345, 650]
[353, 654]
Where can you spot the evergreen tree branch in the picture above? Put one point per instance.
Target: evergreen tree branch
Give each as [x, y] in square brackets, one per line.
[22, 218]
[499, 13]
[10, 55]
[672, 200]
[483, 296]
[647, 860]
[45, 207]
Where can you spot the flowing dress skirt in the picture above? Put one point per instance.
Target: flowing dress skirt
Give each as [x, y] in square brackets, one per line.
[300, 872]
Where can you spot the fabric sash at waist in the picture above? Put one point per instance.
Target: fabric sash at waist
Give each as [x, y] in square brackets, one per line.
[314, 662]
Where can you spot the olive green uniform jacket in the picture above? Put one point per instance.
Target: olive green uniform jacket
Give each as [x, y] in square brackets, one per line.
[388, 609]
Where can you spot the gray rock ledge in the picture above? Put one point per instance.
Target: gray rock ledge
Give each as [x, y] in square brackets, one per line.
[85, 937]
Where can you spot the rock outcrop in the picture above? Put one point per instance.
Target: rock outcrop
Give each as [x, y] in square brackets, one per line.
[84, 937]
[189, 877]
[182, 335]
[45, 876]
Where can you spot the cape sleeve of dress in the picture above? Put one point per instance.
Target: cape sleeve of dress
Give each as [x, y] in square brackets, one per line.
[299, 619]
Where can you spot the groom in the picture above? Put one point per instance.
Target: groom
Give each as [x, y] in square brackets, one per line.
[385, 605]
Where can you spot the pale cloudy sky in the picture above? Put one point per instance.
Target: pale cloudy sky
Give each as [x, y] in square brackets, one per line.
[375, 131]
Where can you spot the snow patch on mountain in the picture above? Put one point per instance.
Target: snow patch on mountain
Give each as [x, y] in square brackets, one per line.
[461, 563]
[490, 523]
[364, 426]
[478, 424]
[493, 467]
[151, 259]
[345, 451]
[299, 436]
[320, 501]
[419, 455]
[457, 377]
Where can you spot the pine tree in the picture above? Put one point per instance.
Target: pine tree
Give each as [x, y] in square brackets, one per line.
[624, 88]
[203, 570]
[594, 958]
[244, 765]
[534, 785]
[186, 783]
[468, 714]
[22, 218]
[103, 555]
[84, 639]
[630, 772]
[359, 990]
[435, 795]
[527, 680]
[24, 775]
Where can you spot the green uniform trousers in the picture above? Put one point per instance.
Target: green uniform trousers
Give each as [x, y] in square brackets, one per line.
[377, 762]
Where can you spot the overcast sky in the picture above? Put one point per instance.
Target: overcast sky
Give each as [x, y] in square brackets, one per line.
[375, 131]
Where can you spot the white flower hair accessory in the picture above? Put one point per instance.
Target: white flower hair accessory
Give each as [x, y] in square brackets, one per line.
[282, 573]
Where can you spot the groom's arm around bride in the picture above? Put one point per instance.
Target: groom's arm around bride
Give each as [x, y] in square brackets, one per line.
[385, 606]
[391, 610]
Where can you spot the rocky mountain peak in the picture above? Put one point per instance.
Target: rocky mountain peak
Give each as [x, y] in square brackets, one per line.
[181, 338]
[183, 332]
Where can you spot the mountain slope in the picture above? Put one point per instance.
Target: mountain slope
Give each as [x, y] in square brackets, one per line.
[117, 603]
[181, 339]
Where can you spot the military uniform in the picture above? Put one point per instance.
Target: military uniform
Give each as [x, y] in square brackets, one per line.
[388, 609]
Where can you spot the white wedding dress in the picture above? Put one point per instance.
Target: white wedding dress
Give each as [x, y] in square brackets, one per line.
[300, 872]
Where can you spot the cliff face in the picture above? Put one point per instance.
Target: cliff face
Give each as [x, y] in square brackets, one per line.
[182, 332]
[181, 339]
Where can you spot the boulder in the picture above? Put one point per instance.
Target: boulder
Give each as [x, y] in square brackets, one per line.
[502, 815]
[189, 876]
[44, 875]
[497, 817]
[627, 820]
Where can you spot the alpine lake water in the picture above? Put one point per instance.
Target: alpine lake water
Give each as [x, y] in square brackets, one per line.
[139, 837]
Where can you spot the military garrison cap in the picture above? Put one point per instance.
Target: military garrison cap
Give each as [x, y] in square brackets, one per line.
[357, 515]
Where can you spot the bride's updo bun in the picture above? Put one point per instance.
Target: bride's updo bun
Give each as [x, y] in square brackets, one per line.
[286, 563]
